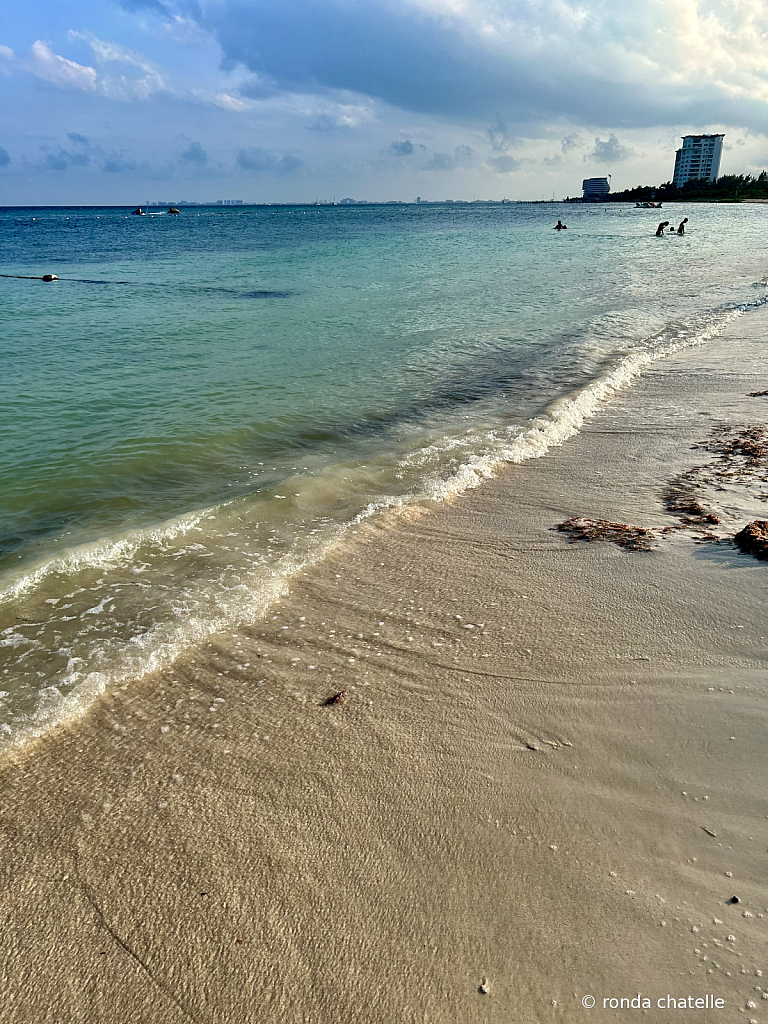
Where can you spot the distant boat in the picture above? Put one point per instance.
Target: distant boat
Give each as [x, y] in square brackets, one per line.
[172, 209]
[138, 212]
[647, 206]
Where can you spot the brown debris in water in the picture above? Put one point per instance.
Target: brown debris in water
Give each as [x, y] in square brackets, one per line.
[636, 538]
[753, 539]
[337, 698]
[741, 459]
[740, 463]
[680, 500]
[758, 394]
[740, 448]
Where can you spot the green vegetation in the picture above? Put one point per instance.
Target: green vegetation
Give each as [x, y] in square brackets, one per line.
[731, 188]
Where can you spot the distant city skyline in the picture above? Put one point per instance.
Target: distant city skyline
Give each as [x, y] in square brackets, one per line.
[109, 103]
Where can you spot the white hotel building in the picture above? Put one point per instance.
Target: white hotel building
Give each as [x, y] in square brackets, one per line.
[699, 157]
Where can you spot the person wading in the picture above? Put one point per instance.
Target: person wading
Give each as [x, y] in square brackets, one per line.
[660, 228]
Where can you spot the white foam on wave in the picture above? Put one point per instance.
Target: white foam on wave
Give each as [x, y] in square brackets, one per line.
[155, 649]
[107, 553]
[565, 418]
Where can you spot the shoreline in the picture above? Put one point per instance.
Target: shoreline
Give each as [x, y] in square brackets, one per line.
[515, 793]
[168, 638]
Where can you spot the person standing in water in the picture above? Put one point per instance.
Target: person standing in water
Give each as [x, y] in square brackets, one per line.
[560, 226]
[681, 229]
[660, 228]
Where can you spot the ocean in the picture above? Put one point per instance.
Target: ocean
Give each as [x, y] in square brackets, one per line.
[205, 404]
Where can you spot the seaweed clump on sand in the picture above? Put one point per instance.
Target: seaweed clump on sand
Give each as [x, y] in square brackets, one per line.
[636, 538]
[740, 449]
[679, 500]
[753, 539]
[741, 459]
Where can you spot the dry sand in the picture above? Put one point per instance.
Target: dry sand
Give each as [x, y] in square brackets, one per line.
[547, 778]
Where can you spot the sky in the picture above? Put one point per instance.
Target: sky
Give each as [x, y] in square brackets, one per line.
[132, 101]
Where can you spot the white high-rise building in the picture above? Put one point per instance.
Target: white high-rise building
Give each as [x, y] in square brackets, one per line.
[595, 188]
[698, 157]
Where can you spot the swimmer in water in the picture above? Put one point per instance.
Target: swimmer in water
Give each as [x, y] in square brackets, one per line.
[681, 229]
[660, 228]
[560, 226]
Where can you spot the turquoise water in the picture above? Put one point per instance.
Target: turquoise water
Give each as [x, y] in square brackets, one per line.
[202, 404]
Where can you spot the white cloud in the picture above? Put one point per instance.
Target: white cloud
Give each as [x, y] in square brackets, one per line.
[107, 52]
[63, 73]
[59, 71]
[123, 87]
[232, 103]
[338, 116]
[186, 31]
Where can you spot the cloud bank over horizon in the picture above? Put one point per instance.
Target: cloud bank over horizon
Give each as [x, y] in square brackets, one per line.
[375, 98]
[603, 63]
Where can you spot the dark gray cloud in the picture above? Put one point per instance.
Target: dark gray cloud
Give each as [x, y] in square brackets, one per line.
[462, 157]
[548, 63]
[570, 142]
[118, 163]
[401, 148]
[257, 88]
[499, 136]
[57, 158]
[407, 57]
[5, 157]
[504, 164]
[195, 155]
[326, 123]
[441, 162]
[55, 162]
[260, 161]
[145, 5]
[79, 140]
[608, 151]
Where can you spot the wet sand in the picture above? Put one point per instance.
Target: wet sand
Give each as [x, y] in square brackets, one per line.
[546, 780]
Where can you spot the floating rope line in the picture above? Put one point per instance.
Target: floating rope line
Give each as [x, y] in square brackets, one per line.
[26, 277]
[55, 277]
[258, 294]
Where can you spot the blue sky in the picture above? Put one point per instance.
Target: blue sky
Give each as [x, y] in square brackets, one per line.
[286, 100]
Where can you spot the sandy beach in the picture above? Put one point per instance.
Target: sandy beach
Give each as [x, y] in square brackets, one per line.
[545, 783]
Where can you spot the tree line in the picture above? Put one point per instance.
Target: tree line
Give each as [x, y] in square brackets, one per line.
[731, 188]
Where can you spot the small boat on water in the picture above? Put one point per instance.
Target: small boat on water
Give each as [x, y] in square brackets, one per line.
[138, 212]
[647, 206]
